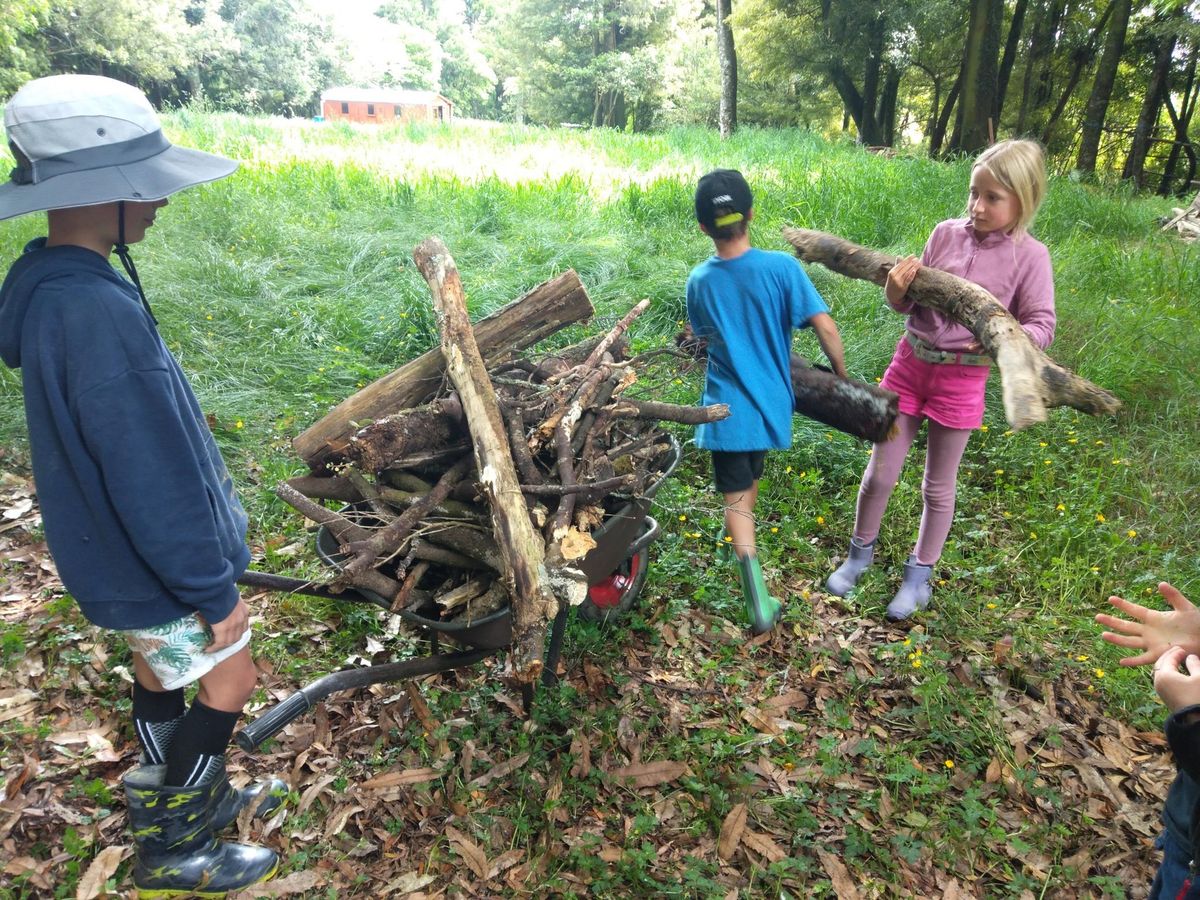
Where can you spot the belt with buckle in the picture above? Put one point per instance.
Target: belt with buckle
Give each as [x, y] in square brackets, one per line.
[924, 352]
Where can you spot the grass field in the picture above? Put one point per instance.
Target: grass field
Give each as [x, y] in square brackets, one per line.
[903, 762]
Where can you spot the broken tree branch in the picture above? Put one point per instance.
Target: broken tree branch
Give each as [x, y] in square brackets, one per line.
[1031, 380]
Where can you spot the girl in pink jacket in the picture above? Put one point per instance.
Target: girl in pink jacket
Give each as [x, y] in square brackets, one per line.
[939, 369]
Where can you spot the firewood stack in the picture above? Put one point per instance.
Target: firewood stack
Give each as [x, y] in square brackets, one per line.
[1186, 222]
[486, 493]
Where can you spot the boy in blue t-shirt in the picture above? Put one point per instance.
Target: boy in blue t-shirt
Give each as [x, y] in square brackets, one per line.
[745, 303]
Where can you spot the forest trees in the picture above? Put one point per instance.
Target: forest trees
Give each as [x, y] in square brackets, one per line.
[1109, 86]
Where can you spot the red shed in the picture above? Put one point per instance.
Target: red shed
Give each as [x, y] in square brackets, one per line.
[385, 105]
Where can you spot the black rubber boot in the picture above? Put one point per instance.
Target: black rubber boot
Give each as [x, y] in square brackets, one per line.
[228, 802]
[762, 609]
[176, 852]
[848, 573]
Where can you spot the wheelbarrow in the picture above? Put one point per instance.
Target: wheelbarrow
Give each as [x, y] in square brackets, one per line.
[615, 568]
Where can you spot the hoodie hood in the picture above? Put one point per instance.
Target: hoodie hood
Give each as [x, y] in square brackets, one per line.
[41, 266]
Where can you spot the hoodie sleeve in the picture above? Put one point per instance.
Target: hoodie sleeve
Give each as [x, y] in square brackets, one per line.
[1033, 304]
[1184, 740]
[138, 434]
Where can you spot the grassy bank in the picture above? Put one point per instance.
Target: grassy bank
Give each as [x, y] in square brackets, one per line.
[912, 757]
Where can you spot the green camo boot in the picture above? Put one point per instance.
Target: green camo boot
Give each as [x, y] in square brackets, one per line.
[228, 802]
[763, 609]
[176, 852]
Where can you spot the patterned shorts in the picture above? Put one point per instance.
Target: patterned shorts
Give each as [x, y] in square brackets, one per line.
[175, 651]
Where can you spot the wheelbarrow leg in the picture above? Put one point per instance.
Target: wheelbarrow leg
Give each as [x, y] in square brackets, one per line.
[557, 630]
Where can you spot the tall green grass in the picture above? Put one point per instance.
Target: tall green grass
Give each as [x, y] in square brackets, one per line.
[286, 287]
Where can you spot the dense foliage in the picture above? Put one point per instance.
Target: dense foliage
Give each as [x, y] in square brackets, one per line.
[1108, 85]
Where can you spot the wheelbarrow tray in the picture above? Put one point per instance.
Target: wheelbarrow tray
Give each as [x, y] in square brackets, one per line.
[625, 532]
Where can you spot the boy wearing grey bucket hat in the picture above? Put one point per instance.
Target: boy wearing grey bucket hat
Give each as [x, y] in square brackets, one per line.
[139, 511]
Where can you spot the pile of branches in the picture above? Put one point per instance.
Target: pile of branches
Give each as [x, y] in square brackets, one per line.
[416, 529]
[426, 521]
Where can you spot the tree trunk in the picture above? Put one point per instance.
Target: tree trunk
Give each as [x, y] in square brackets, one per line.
[1031, 381]
[886, 117]
[1183, 119]
[870, 133]
[521, 548]
[1011, 46]
[943, 122]
[1135, 163]
[548, 308]
[863, 410]
[1081, 58]
[727, 57]
[1106, 75]
[978, 100]
[1041, 45]
[1181, 129]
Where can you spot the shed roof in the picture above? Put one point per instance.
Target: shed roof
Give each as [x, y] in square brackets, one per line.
[398, 96]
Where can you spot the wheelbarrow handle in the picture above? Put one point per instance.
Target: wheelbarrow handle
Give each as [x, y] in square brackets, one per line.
[648, 536]
[278, 717]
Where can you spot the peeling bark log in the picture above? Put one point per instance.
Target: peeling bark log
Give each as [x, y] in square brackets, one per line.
[859, 409]
[419, 430]
[522, 551]
[1031, 381]
[548, 308]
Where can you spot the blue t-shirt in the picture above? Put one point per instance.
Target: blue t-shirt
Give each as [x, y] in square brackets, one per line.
[747, 308]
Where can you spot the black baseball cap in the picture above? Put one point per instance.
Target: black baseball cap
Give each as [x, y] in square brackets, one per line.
[722, 198]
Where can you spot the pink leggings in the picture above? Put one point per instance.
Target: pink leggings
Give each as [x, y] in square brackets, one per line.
[945, 450]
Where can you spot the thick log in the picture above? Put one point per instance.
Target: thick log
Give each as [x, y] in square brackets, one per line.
[1030, 380]
[863, 410]
[521, 548]
[437, 424]
[548, 308]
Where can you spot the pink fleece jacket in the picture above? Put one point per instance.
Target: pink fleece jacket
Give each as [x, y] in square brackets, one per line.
[1016, 271]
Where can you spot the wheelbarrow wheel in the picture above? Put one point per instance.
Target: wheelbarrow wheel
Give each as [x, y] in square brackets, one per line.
[613, 597]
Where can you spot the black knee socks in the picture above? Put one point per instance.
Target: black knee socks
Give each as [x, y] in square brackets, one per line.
[198, 751]
[157, 715]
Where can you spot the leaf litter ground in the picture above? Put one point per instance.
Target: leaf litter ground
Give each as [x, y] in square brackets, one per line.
[676, 758]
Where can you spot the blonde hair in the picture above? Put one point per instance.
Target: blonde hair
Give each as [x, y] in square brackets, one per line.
[1020, 167]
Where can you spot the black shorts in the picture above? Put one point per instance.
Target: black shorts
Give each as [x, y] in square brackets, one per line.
[737, 470]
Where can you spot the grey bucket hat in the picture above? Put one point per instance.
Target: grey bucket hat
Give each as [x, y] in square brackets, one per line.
[83, 140]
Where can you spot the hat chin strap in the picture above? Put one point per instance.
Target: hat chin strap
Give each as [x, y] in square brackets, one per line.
[122, 251]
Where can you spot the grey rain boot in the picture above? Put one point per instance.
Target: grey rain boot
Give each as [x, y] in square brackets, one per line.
[228, 801]
[914, 591]
[175, 851]
[847, 574]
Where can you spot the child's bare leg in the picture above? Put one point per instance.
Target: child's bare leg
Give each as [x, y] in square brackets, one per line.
[739, 519]
[229, 684]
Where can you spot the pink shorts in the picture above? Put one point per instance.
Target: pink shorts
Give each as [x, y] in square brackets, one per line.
[949, 393]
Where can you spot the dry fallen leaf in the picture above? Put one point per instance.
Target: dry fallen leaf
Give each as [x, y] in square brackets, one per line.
[393, 779]
[731, 831]
[844, 887]
[471, 852]
[102, 868]
[651, 773]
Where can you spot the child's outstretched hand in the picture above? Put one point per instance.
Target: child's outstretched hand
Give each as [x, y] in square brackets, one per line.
[1178, 689]
[899, 277]
[1153, 632]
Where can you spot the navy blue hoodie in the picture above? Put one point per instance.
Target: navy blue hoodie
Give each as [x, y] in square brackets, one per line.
[139, 511]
